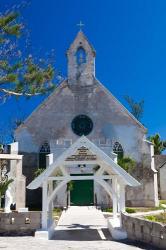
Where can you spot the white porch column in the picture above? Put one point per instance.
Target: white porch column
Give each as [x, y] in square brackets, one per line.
[122, 198]
[114, 198]
[50, 205]
[44, 205]
[49, 161]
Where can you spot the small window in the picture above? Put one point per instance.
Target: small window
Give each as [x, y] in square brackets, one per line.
[117, 149]
[44, 150]
[81, 56]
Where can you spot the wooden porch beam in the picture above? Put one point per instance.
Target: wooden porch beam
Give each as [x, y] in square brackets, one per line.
[90, 177]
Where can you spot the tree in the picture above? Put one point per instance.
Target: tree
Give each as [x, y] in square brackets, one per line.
[126, 163]
[136, 108]
[159, 145]
[19, 75]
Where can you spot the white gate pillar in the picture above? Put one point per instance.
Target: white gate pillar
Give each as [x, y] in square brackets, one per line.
[114, 198]
[122, 198]
[44, 205]
[50, 204]
[20, 187]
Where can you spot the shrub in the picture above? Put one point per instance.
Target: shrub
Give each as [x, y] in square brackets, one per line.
[130, 210]
[109, 210]
[162, 202]
[150, 217]
[127, 164]
[38, 172]
[157, 218]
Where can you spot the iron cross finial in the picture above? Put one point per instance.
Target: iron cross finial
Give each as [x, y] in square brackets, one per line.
[80, 24]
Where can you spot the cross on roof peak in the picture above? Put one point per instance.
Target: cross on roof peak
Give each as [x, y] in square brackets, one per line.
[80, 25]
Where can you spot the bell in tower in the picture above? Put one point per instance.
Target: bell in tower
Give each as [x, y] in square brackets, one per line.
[81, 61]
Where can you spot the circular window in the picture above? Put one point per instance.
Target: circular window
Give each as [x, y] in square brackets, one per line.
[82, 125]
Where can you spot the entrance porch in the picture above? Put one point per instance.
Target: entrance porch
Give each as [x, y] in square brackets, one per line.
[70, 166]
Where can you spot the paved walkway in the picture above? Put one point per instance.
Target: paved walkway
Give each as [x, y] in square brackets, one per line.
[82, 218]
[79, 228]
[87, 222]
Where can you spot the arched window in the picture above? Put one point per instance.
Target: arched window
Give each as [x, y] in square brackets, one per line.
[117, 149]
[44, 150]
[80, 56]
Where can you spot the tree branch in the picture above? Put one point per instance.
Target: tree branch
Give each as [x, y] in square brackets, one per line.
[11, 92]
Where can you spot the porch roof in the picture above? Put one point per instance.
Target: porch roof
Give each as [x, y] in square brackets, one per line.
[109, 164]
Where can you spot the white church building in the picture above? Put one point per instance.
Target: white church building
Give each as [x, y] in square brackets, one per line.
[76, 134]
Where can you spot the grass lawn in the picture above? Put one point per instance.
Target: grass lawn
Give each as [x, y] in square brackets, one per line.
[162, 202]
[157, 218]
[131, 210]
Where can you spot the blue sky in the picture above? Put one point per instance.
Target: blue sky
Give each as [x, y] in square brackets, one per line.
[130, 41]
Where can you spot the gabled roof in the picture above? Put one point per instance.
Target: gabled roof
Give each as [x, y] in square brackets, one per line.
[107, 91]
[57, 89]
[81, 36]
[64, 84]
[109, 164]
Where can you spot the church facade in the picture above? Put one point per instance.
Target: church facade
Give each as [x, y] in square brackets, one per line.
[79, 106]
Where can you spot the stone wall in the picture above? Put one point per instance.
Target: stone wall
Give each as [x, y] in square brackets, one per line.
[139, 229]
[162, 182]
[13, 224]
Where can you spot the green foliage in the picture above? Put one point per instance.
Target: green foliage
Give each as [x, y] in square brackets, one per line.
[4, 186]
[109, 210]
[38, 172]
[157, 218]
[136, 108]
[159, 145]
[127, 164]
[20, 76]
[150, 217]
[70, 186]
[130, 210]
[8, 24]
[162, 202]
[57, 212]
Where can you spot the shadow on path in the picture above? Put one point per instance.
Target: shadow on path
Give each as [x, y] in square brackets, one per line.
[81, 235]
[86, 234]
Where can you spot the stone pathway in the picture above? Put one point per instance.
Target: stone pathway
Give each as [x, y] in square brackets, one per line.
[79, 228]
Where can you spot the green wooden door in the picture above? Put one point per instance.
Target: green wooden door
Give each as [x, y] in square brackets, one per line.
[82, 193]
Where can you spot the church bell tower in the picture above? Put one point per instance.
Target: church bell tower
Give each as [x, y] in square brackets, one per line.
[81, 61]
